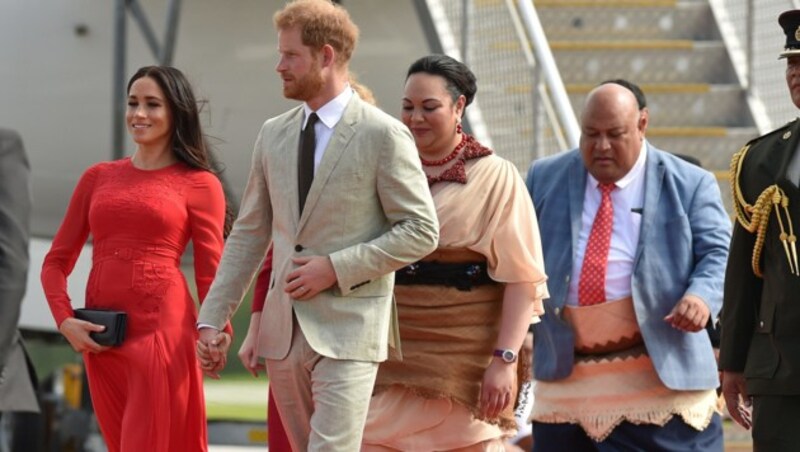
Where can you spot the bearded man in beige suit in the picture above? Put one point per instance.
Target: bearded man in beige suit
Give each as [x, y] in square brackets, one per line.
[329, 317]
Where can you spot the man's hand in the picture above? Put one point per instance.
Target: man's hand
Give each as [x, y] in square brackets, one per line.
[690, 314]
[247, 352]
[212, 351]
[497, 388]
[76, 331]
[314, 274]
[736, 398]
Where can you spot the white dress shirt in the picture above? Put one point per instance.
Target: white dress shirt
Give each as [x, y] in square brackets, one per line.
[627, 200]
[329, 115]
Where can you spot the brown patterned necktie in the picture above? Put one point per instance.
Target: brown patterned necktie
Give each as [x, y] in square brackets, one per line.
[305, 162]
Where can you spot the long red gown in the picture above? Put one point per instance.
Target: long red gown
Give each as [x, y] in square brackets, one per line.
[278, 440]
[148, 392]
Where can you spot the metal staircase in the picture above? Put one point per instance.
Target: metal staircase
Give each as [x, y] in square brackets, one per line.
[674, 51]
[672, 48]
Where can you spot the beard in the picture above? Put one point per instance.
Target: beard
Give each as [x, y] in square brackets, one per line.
[305, 87]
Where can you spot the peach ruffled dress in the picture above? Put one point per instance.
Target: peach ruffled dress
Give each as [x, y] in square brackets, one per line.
[428, 400]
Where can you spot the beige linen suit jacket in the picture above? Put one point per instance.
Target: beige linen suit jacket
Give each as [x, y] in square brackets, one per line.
[369, 209]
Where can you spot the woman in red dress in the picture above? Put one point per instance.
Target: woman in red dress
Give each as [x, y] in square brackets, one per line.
[141, 212]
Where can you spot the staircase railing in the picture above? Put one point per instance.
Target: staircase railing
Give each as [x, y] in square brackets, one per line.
[558, 107]
[524, 111]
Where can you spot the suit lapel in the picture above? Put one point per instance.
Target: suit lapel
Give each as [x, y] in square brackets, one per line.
[577, 190]
[289, 139]
[342, 134]
[653, 181]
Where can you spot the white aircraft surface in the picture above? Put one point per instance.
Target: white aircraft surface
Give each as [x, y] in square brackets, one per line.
[56, 66]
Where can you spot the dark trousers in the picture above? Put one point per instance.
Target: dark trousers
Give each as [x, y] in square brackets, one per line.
[776, 423]
[675, 435]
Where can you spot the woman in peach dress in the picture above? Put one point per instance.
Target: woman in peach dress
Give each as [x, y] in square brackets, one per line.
[464, 310]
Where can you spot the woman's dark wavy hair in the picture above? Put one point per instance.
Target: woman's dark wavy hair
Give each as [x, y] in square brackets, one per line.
[188, 142]
[458, 77]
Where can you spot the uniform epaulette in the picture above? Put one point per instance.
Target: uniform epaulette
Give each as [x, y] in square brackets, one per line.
[755, 217]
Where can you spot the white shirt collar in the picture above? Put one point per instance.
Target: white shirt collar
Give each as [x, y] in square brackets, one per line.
[332, 112]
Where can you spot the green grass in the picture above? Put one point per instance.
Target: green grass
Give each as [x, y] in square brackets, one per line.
[236, 397]
[226, 412]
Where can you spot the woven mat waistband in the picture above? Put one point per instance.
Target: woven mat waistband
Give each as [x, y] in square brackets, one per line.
[604, 328]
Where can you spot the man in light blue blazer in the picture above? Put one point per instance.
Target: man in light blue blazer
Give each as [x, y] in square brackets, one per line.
[667, 256]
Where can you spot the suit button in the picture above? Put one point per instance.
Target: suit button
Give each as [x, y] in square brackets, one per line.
[298, 248]
[761, 324]
[557, 311]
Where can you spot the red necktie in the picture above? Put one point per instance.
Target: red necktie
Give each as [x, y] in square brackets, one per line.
[592, 285]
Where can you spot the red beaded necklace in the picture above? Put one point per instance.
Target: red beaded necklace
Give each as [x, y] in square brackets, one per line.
[449, 156]
[458, 171]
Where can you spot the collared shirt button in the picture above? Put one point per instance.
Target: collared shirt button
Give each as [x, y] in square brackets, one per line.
[298, 248]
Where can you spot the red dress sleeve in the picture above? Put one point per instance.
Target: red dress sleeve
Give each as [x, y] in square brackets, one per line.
[66, 247]
[262, 284]
[206, 206]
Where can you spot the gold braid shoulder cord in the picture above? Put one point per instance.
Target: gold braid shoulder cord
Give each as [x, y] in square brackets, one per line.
[754, 218]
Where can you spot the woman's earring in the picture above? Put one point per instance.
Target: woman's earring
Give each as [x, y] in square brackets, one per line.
[458, 127]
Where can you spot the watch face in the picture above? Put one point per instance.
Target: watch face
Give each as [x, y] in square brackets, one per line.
[509, 356]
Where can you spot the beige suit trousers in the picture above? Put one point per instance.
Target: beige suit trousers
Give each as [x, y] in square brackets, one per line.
[323, 402]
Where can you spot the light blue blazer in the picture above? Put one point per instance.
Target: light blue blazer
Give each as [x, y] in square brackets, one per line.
[683, 249]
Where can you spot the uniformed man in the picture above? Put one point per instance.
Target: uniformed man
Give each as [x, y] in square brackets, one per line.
[760, 349]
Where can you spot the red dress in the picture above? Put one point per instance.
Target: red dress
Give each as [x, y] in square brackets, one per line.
[148, 392]
[278, 440]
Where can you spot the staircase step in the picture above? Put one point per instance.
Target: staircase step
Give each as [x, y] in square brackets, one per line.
[610, 3]
[687, 132]
[622, 44]
[675, 105]
[713, 146]
[563, 20]
[659, 88]
[704, 62]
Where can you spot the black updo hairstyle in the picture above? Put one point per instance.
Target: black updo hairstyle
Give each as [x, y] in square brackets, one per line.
[459, 79]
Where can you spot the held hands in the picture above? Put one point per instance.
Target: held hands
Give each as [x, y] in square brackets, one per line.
[736, 398]
[313, 275]
[77, 331]
[212, 351]
[690, 314]
[497, 388]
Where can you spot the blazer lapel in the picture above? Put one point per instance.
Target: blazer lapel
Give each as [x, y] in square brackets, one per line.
[577, 189]
[342, 134]
[653, 181]
[289, 139]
